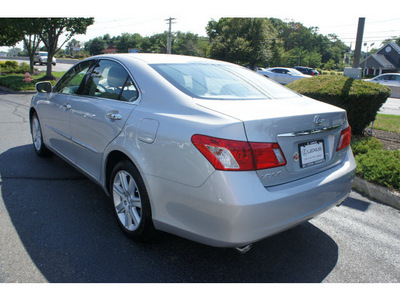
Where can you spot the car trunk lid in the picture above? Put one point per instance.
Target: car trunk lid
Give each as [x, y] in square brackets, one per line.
[306, 130]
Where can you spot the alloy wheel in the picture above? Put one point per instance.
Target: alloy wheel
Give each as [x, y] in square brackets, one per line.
[127, 200]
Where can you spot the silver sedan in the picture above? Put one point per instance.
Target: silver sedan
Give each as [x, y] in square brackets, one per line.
[203, 149]
[392, 79]
[283, 75]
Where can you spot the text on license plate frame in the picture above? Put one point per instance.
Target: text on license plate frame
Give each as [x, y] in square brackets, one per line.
[312, 153]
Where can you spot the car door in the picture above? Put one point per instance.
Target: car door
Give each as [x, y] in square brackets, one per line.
[393, 80]
[279, 75]
[274, 74]
[100, 113]
[396, 79]
[56, 114]
[382, 79]
[286, 76]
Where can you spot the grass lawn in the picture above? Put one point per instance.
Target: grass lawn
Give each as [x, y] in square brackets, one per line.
[387, 122]
[14, 81]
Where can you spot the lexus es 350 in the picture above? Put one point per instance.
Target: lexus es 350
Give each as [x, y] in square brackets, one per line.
[203, 149]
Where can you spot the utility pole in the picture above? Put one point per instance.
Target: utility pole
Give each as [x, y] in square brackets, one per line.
[169, 34]
[356, 72]
[357, 51]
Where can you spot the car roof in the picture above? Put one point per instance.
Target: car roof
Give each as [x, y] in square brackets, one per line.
[284, 68]
[389, 74]
[156, 58]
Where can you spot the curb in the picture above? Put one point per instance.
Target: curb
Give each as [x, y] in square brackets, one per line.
[7, 90]
[377, 192]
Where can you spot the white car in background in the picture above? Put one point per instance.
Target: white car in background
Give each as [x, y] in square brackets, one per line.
[283, 75]
[387, 79]
[41, 58]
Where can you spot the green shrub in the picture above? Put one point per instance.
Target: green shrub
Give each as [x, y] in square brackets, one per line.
[23, 68]
[374, 164]
[365, 144]
[361, 99]
[381, 167]
[11, 64]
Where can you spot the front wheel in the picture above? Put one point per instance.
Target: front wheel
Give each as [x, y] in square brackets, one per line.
[37, 137]
[131, 202]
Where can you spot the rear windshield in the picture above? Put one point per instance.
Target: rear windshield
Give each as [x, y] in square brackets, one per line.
[220, 81]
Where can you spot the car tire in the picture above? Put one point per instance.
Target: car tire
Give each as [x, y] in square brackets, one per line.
[37, 137]
[131, 202]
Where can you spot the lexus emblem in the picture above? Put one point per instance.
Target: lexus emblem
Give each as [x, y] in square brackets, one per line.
[318, 120]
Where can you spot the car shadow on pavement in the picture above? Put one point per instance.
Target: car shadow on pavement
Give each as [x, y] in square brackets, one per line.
[67, 226]
[356, 204]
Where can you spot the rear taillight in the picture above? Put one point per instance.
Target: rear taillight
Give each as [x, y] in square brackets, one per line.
[233, 155]
[344, 139]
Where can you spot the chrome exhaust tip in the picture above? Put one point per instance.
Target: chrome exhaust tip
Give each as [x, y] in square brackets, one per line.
[340, 204]
[244, 249]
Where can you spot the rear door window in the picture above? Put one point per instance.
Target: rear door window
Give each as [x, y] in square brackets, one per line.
[110, 80]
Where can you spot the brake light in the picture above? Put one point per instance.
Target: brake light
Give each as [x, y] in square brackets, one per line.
[344, 139]
[233, 155]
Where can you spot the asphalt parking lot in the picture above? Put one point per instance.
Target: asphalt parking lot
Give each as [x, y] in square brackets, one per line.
[58, 226]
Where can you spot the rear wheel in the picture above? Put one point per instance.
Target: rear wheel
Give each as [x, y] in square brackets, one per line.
[131, 202]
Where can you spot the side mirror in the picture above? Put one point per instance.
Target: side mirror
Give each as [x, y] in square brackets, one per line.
[43, 87]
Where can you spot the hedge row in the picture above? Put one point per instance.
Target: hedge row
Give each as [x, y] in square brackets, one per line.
[361, 99]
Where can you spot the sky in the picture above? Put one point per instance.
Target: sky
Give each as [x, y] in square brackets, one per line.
[148, 17]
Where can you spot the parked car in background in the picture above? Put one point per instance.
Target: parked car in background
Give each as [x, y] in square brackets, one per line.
[200, 148]
[41, 58]
[307, 71]
[387, 79]
[283, 75]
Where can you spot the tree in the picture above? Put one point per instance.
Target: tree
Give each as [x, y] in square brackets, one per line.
[73, 44]
[13, 30]
[95, 46]
[127, 40]
[392, 39]
[8, 35]
[156, 43]
[245, 41]
[306, 45]
[50, 31]
[189, 44]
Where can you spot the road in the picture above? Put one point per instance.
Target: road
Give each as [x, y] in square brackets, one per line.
[391, 107]
[62, 65]
[57, 226]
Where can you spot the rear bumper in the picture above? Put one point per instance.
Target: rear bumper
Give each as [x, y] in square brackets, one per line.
[233, 209]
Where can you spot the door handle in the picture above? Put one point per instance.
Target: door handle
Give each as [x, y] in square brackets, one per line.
[114, 116]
